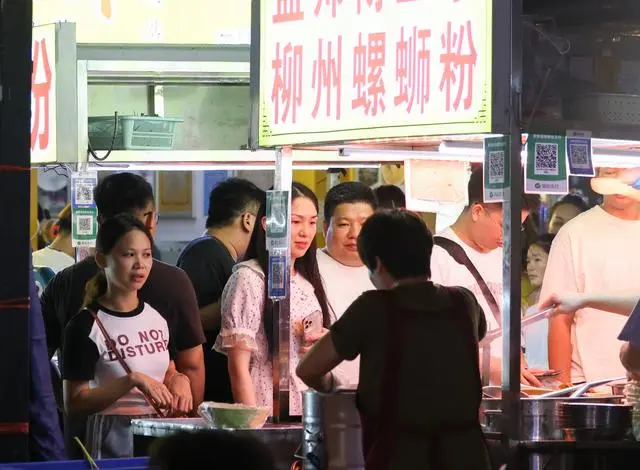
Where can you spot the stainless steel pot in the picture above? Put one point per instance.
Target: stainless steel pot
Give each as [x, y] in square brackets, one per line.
[540, 419]
[595, 421]
[332, 437]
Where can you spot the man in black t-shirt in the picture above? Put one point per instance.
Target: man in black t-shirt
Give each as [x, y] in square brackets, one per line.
[208, 261]
[167, 289]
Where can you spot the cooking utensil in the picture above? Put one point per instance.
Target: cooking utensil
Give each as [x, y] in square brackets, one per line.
[595, 421]
[540, 417]
[581, 391]
[495, 391]
[578, 390]
[527, 321]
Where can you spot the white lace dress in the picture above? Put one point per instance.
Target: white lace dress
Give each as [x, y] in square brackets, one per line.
[242, 306]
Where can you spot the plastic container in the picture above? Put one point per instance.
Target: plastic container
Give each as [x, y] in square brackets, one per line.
[139, 463]
[133, 133]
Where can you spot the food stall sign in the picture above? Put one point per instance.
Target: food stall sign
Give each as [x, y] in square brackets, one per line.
[337, 70]
[174, 22]
[54, 128]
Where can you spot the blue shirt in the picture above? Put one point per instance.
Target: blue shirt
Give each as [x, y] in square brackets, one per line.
[45, 434]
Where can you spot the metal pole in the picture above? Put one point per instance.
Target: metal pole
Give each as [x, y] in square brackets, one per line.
[283, 177]
[15, 161]
[512, 234]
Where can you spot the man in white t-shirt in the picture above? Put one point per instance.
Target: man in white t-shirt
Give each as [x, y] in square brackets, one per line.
[60, 253]
[345, 277]
[595, 252]
[478, 231]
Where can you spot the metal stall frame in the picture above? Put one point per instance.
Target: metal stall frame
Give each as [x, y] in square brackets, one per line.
[506, 114]
[155, 66]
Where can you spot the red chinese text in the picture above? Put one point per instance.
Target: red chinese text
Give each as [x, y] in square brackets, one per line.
[288, 10]
[370, 3]
[458, 65]
[106, 8]
[413, 69]
[327, 73]
[40, 95]
[287, 83]
[333, 3]
[368, 65]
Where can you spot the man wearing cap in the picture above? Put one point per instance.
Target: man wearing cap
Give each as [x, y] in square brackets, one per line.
[594, 252]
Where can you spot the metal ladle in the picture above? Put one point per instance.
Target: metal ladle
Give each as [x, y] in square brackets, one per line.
[527, 321]
[578, 390]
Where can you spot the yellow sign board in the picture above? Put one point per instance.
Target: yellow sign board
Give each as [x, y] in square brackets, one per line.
[344, 70]
[150, 21]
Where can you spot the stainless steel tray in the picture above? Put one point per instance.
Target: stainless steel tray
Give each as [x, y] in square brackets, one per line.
[158, 427]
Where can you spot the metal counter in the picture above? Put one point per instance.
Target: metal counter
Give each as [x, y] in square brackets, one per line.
[282, 439]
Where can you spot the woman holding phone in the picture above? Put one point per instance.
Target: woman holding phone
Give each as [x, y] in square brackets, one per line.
[116, 361]
[246, 336]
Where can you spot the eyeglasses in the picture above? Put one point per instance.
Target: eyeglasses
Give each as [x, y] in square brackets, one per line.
[151, 218]
[499, 222]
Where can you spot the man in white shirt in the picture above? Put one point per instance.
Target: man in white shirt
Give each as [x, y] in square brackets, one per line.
[594, 252]
[478, 231]
[60, 253]
[346, 207]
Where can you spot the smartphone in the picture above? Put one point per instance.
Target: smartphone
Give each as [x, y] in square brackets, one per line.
[312, 323]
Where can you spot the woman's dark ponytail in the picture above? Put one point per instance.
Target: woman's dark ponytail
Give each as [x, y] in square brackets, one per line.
[95, 288]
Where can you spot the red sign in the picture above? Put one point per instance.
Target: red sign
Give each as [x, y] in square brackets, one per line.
[360, 69]
[41, 81]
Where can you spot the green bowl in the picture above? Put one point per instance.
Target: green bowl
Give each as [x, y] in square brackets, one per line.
[233, 416]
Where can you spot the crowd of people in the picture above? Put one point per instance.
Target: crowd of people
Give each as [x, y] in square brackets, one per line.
[138, 337]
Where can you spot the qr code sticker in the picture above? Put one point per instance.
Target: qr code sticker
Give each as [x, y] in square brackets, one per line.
[84, 194]
[84, 225]
[496, 167]
[546, 159]
[579, 153]
[277, 275]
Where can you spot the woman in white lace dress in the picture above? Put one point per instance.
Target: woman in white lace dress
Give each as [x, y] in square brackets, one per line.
[246, 336]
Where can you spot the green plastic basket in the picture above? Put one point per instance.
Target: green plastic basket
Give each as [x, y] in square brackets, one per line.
[133, 133]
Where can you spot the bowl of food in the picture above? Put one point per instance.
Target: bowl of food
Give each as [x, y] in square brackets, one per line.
[233, 415]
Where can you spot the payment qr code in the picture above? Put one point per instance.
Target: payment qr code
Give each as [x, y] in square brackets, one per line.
[496, 167]
[277, 275]
[546, 159]
[579, 153]
[84, 194]
[84, 225]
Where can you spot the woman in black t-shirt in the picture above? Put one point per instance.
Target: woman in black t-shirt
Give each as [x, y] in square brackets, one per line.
[115, 357]
[412, 336]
